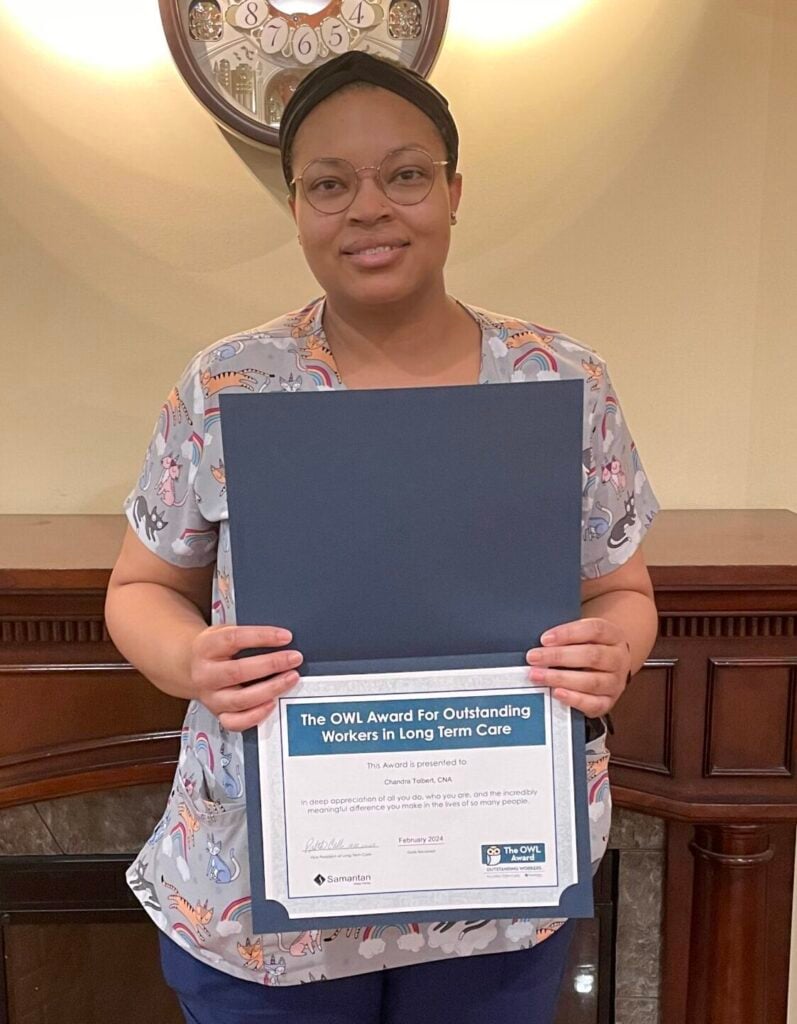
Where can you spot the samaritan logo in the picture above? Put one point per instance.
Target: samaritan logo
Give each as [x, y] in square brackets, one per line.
[513, 853]
[319, 879]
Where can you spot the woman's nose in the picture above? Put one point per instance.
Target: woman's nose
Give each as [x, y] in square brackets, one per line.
[370, 202]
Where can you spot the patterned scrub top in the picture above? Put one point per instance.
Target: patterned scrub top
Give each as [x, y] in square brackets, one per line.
[192, 875]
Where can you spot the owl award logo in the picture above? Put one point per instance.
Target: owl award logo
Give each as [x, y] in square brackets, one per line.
[513, 853]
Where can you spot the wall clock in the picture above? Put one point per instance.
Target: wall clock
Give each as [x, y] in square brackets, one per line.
[243, 59]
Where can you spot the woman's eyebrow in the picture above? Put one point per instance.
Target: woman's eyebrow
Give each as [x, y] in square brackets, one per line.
[393, 149]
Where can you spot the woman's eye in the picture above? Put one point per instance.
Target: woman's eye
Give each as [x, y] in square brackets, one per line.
[408, 176]
[327, 185]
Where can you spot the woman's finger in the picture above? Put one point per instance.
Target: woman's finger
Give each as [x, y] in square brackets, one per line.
[583, 631]
[596, 656]
[587, 704]
[224, 642]
[238, 722]
[219, 675]
[601, 683]
[236, 699]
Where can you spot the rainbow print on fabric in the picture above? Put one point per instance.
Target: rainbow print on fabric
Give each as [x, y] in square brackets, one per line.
[179, 838]
[202, 746]
[377, 931]
[237, 909]
[543, 360]
[635, 459]
[184, 934]
[196, 538]
[164, 421]
[611, 411]
[212, 418]
[599, 790]
[319, 373]
[196, 445]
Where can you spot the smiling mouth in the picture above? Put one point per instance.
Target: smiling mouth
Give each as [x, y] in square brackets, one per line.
[374, 249]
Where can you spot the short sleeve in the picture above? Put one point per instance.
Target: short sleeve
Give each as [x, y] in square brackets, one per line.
[163, 508]
[618, 502]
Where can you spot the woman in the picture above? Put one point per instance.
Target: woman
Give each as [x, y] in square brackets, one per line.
[369, 152]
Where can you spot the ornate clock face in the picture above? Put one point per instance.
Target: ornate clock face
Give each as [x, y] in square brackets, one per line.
[244, 58]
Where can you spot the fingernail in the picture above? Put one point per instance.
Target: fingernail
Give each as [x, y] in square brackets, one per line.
[284, 636]
[294, 658]
[534, 655]
[538, 675]
[549, 637]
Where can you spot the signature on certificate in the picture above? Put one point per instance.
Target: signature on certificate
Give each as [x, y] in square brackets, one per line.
[312, 845]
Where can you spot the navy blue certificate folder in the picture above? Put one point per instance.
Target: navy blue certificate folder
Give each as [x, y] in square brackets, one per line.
[402, 530]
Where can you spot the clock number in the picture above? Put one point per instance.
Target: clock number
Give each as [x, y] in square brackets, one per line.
[335, 35]
[358, 13]
[305, 44]
[250, 14]
[274, 36]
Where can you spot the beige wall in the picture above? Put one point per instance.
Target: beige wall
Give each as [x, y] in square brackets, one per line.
[629, 179]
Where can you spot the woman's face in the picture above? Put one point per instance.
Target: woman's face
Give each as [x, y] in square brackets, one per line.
[362, 125]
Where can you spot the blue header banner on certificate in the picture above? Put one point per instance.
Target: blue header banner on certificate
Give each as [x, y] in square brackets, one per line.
[414, 774]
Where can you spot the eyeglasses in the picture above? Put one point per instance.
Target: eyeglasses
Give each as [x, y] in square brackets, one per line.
[406, 176]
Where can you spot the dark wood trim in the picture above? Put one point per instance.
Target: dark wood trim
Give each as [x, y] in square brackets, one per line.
[702, 810]
[725, 982]
[68, 882]
[710, 769]
[663, 768]
[726, 588]
[3, 979]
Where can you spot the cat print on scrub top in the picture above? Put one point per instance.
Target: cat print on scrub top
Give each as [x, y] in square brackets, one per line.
[192, 877]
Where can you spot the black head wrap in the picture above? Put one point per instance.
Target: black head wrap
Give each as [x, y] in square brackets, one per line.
[356, 66]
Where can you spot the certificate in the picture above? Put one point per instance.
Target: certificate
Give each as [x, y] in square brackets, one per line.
[442, 792]
[416, 541]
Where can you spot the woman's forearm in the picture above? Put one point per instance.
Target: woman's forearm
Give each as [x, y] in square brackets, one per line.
[634, 612]
[154, 626]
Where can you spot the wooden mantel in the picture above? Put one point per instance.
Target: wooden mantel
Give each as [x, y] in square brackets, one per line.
[705, 737]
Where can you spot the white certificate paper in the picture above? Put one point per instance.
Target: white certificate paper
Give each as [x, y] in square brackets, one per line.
[417, 791]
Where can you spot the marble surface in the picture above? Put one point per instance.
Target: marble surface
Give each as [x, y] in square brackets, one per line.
[639, 924]
[24, 833]
[120, 821]
[636, 1011]
[116, 821]
[632, 831]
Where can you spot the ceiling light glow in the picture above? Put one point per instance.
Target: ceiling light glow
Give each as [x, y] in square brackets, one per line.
[110, 35]
[507, 21]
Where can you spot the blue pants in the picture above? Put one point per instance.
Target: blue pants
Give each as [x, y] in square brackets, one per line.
[521, 987]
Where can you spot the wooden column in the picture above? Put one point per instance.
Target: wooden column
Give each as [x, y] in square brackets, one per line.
[727, 979]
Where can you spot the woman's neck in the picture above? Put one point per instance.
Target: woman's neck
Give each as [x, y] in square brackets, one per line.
[426, 340]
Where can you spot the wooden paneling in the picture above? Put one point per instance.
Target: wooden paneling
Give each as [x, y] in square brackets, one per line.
[643, 725]
[704, 735]
[750, 717]
[82, 727]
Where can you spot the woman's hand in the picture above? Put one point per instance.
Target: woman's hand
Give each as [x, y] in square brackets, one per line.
[586, 664]
[226, 685]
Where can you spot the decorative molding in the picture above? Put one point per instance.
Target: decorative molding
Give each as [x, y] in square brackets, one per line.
[87, 767]
[663, 767]
[710, 767]
[730, 626]
[95, 755]
[41, 630]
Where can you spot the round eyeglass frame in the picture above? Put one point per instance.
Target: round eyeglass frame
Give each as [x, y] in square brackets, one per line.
[378, 177]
